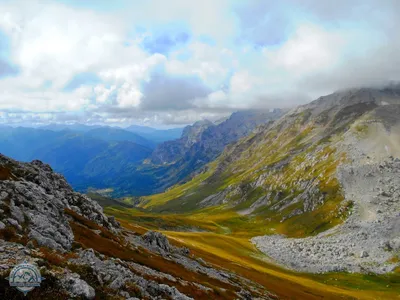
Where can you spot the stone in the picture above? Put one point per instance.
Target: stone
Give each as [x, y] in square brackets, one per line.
[17, 214]
[2, 225]
[183, 251]
[12, 222]
[364, 254]
[78, 287]
[118, 282]
[157, 240]
[125, 294]
[114, 222]
[395, 244]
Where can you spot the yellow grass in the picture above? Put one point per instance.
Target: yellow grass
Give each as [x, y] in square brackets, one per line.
[240, 251]
[226, 244]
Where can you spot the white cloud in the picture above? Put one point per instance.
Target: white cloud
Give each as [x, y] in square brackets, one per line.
[207, 17]
[103, 93]
[312, 48]
[129, 95]
[134, 69]
[53, 42]
[212, 64]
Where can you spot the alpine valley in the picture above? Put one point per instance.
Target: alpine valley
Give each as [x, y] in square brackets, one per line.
[277, 204]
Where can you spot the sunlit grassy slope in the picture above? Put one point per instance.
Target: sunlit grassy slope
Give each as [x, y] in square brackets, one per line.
[222, 239]
[305, 155]
[275, 163]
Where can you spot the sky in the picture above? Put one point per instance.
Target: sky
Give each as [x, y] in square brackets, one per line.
[170, 63]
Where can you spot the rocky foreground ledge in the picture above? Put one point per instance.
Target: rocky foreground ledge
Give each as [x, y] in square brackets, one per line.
[83, 254]
[368, 241]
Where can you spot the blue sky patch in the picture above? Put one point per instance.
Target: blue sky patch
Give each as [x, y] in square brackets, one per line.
[207, 40]
[165, 42]
[97, 5]
[7, 68]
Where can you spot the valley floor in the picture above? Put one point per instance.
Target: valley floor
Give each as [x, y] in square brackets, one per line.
[223, 240]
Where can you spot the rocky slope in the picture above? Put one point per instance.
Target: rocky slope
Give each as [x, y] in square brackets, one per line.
[317, 177]
[84, 254]
[177, 161]
[207, 140]
[369, 239]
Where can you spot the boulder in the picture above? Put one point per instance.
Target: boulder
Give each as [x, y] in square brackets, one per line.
[77, 287]
[157, 240]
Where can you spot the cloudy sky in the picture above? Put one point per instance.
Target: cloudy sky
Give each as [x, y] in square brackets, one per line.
[171, 62]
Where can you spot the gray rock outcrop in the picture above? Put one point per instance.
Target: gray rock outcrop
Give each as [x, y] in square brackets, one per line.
[33, 199]
[77, 287]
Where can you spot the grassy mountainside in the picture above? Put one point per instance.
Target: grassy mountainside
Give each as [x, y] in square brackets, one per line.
[286, 172]
[283, 179]
[177, 161]
[221, 238]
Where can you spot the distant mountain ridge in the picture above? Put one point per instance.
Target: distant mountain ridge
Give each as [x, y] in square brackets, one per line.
[177, 161]
[149, 133]
[73, 127]
[103, 157]
[206, 136]
[111, 134]
[85, 158]
[156, 135]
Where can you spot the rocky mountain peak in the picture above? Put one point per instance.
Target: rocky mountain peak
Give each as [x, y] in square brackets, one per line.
[192, 133]
[213, 137]
[353, 97]
[34, 200]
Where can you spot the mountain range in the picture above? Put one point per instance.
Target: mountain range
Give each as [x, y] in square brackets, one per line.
[318, 188]
[127, 161]
[176, 161]
[156, 135]
[299, 204]
[152, 134]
